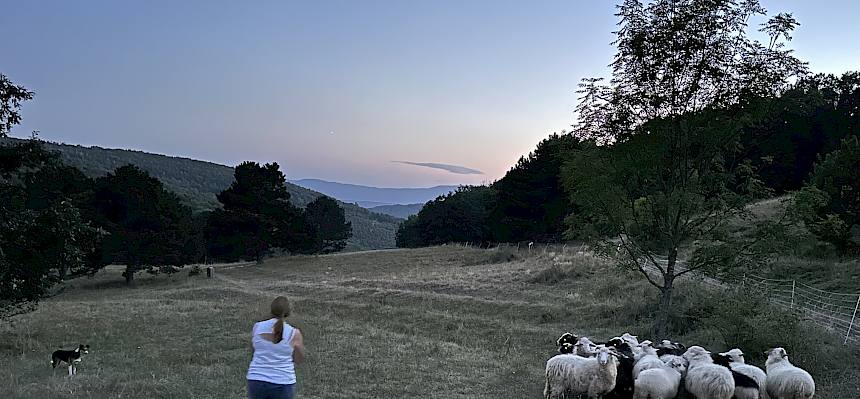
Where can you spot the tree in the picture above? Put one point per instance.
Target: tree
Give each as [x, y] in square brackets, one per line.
[11, 97]
[408, 234]
[461, 216]
[810, 118]
[685, 80]
[829, 205]
[149, 226]
[43, 236]
[257, 216]
[327, 221]
[531, 204]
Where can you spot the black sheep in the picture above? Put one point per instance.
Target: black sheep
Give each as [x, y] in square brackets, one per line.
[624, 379]
[741, 381]
[566, 342]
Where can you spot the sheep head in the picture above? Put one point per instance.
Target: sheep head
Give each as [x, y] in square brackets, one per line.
[630, 339]
[776, 355]
[605, 356]
[585, 348]
[566, 338]
[566, 348]
[647, 348]
[678, 363]
[697, 354]
[736, 355]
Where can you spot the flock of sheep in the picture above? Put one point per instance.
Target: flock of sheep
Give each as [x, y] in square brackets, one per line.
[623, 367]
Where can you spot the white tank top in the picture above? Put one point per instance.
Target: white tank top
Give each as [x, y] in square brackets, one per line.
[272, 362]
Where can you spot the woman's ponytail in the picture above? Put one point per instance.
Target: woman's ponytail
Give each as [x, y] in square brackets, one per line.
[280, 309]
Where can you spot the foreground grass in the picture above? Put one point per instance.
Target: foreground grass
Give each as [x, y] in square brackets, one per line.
[438, 322]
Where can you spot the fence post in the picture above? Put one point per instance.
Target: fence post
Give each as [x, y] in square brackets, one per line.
[793, 284]
[848, 334]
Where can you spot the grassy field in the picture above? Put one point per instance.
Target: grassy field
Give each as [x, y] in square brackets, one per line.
[442, 322]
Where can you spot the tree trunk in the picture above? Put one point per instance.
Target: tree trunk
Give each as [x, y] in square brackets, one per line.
[661, 327]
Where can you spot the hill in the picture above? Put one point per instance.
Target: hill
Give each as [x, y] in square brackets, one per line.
[197, 183]
[397, 210]
[386, 324]
[374, 196]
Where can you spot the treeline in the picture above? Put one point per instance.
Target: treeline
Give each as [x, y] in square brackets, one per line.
[782, 139]
[528, 203]
[57, 223]
[198, 183]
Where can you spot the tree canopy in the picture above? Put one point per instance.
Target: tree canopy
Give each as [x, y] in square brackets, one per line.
[829, 205]
[149, 226]
[328, 223]
[11, 97]
[257, 216]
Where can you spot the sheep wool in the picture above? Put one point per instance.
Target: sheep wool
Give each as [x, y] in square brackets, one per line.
[658, 383]
[706, 380]
[572, 374]
[786, 381]
[647, 359]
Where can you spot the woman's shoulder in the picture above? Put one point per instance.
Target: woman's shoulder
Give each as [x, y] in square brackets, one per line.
[264, 325]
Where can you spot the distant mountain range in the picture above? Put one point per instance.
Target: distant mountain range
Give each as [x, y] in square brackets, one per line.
[197, 183]
[397, 210]
[371, 197]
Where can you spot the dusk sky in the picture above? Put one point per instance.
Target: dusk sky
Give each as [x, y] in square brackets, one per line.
[365, 92]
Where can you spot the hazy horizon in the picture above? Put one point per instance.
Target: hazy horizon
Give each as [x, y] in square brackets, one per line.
[381, 94]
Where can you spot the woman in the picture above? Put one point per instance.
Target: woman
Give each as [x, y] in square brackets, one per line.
[278, 346]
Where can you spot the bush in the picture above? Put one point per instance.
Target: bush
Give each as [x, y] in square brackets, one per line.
[495, 256]
[738, 318]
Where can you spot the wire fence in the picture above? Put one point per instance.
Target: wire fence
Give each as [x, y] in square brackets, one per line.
[834, 311]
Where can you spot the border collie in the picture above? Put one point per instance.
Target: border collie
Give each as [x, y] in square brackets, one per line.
[72, 358]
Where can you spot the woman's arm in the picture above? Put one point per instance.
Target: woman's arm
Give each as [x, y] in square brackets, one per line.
[298, 343]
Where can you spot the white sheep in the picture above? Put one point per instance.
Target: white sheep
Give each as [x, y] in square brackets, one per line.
[675, 361]
[670, 360]
[630, 339]
[576, 374]
[585, 347]
[646, 359]
[659, 383]
[738, 365]
[704, 379]
[786, 381]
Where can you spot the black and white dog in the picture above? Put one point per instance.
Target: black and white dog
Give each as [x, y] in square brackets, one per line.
[72, 358]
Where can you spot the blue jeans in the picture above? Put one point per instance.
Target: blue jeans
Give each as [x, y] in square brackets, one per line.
[267, 390]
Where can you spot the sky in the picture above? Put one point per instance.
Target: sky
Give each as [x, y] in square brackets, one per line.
[385, 93]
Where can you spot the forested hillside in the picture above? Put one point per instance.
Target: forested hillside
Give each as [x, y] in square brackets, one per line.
[197, 183]
[397, 210]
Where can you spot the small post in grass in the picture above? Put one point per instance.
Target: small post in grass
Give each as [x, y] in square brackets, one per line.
[210, 272]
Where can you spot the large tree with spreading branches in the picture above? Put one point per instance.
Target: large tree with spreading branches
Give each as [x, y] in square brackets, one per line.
[666, 172]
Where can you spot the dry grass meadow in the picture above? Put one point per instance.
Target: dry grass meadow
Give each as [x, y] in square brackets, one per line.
[443, 322]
